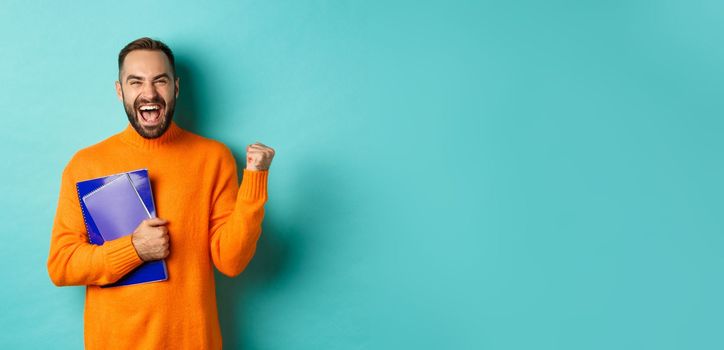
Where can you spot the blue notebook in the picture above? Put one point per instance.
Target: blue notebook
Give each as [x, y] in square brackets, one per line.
[112, 207]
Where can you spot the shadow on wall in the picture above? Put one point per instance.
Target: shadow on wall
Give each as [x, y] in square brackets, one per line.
[285, 244]
[281, 244]
[186, 114]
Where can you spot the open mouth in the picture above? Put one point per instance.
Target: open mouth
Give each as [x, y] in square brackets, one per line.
[150, 114]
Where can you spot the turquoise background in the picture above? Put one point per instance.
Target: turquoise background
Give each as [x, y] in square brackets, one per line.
[449, 175]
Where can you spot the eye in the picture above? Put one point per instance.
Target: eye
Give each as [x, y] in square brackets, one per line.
[161, 82]
[135, 82]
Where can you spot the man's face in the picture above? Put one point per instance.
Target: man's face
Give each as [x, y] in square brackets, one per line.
[148, 90]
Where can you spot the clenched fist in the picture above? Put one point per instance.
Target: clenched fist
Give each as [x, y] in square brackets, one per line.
[151, 239]
[258, 156]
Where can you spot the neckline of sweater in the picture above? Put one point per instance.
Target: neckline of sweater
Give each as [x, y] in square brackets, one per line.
[130, 136]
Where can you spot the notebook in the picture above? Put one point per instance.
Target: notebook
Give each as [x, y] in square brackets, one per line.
[116, 208]
[112, 207]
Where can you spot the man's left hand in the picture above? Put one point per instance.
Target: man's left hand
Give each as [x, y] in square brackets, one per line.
[258, 157]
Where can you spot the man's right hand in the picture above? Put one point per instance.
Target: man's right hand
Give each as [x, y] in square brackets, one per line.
[151, 239]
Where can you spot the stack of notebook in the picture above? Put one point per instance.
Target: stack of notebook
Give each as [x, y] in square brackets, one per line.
[113, 206]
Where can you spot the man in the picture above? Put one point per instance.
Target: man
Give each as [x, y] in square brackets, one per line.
[205, 217]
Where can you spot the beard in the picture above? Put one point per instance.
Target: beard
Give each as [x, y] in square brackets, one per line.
[134, 116]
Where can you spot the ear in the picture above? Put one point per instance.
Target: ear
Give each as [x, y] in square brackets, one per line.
[176, 83]
[119, 93]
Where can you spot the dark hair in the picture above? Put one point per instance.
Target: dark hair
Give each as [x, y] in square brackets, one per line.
[146, 43]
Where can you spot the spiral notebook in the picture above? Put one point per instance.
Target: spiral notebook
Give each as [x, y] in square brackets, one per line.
[112, 207]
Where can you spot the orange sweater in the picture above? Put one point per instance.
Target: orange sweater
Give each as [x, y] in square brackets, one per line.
[211, 219]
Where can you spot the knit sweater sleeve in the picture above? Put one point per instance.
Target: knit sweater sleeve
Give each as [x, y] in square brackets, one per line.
[74, 261]
[236, 216]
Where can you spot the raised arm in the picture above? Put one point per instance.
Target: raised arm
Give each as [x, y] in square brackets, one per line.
[238, 211]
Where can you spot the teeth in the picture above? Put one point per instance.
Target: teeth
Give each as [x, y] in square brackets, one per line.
[148, 108]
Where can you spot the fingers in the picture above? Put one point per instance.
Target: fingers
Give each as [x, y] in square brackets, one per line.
[259, 147]
[258, 156]
[258, 151]
[155, 222]
[152, 240]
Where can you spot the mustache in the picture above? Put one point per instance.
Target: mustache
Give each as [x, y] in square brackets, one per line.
[140, 102]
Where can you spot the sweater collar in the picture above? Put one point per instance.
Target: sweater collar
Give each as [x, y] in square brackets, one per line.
[131, 137]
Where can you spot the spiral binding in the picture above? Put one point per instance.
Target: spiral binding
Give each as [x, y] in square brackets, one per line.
[85, 220]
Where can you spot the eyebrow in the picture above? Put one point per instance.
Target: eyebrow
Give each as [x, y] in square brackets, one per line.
[162, 75]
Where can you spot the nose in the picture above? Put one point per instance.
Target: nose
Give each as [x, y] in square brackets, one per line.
[149, 91]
